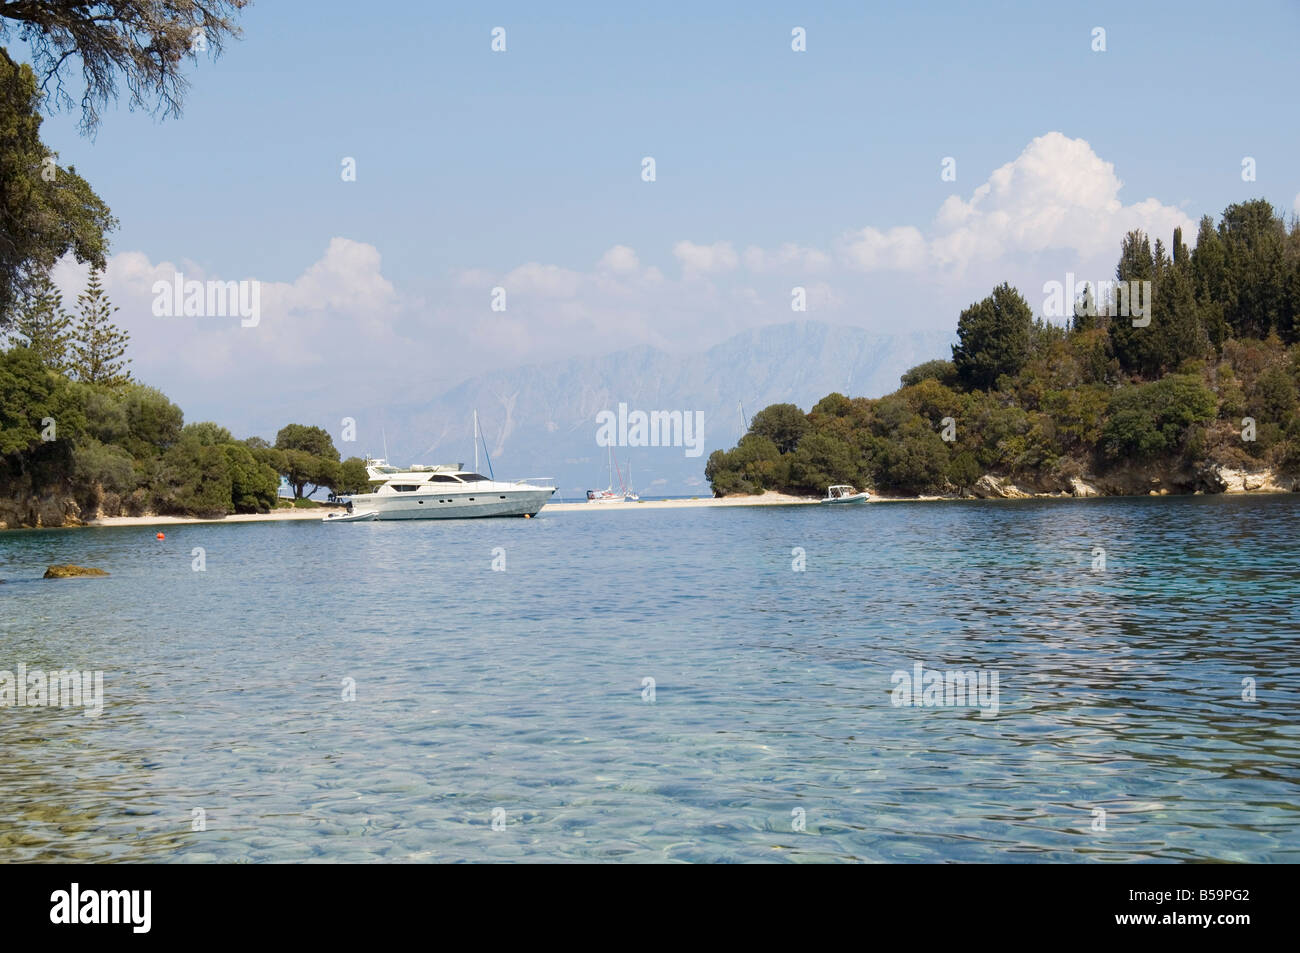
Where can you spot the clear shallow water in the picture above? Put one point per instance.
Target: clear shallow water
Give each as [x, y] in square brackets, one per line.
[522, 690]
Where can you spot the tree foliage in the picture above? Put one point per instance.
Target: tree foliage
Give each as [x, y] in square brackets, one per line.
[46, 211]
[1218, 358]
[993, 338]
[144, 42]
[44, 326]
[99, 345]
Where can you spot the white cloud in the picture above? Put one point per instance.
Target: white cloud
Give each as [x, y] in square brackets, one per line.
[898, 249]
[789, 257]
[705, 259]
[548, 281]
[342, 297]
[620, 260]
[1056, 195]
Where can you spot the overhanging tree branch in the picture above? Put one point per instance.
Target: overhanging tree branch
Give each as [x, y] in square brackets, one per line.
[145, 42]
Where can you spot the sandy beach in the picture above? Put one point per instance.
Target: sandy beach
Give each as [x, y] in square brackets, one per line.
[271, 517]
[765, 499]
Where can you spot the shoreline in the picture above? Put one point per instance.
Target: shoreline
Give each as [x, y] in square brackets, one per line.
[769, 498]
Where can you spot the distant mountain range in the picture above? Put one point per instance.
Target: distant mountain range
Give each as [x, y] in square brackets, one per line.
[541, 420]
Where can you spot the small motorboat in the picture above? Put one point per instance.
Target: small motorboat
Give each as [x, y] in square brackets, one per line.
[843, 493]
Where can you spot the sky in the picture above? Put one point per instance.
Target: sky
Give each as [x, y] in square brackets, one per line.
[774, 168]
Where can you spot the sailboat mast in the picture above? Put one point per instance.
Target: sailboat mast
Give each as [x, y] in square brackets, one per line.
[476, 441]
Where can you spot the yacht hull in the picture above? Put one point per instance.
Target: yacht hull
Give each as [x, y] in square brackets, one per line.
[454, 506]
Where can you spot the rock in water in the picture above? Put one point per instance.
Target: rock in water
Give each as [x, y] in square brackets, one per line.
[68, 571]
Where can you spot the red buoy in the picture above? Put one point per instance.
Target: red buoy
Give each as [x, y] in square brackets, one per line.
[161, 536]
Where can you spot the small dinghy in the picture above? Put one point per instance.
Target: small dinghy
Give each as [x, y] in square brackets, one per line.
[351, 516]
[843, 493]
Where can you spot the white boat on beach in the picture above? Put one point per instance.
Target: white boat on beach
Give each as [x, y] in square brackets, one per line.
[843, 493]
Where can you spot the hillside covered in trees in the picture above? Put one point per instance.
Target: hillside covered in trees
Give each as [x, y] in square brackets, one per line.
[80, 439]
[1203, 382]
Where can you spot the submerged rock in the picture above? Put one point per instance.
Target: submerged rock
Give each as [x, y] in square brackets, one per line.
[68, 571]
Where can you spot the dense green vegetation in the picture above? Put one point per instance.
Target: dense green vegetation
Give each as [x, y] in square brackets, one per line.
[1213, 378]
[74, 424]
[118, 447]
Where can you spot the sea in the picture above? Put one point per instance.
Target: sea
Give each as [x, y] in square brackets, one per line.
[1092, 681]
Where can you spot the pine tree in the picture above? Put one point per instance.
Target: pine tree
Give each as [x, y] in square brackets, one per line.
[993, 338]
[99, 344]
[42, 325]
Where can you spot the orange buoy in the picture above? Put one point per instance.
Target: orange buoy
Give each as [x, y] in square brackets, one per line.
[161, 536]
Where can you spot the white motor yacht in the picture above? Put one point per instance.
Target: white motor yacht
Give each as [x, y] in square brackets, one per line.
[447, 491]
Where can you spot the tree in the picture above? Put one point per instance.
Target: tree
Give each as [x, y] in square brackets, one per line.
[31, 395]
[993, 337]
[43, 325]
[195, 480]
[1151, 420]
[1136, 348]
[783, 424]
[963, 470]
[313, 440]
[352, 477]
[46, 211]
[99, 345]
[146, 41]
[1179, 332]
[940, 370]
[253, 485]
[821, 461]
[914, 459]
[154, 421]
[308, 472]
[1254, 292]
[308, 457]
[206, 433]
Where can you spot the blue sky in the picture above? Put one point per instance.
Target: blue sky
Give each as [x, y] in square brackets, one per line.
[472, 165]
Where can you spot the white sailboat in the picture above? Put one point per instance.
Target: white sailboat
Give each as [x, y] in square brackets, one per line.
[609, 494]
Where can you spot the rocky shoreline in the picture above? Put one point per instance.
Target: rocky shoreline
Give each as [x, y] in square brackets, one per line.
[1207, 479]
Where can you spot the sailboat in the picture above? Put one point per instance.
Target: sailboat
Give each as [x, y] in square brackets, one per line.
[609, 494]
[629, 494]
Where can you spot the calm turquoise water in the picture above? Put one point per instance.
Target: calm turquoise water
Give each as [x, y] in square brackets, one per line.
[517, 695]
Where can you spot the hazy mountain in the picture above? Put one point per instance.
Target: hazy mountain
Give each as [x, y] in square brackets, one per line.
[541, 420]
